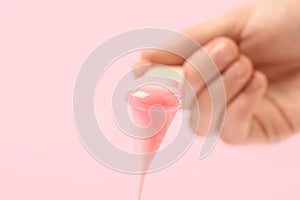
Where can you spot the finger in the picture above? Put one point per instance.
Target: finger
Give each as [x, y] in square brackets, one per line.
[270, 123]
[140, 68]
[236, 77]
[238, 127]
[203, 66]
[222, 51]
[229, 24]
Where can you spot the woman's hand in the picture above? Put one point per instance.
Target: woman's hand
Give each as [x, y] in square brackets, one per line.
[257, 50]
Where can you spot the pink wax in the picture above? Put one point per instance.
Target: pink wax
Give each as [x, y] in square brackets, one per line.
[141, 102]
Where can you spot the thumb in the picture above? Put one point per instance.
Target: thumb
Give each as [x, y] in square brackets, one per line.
[229, 24]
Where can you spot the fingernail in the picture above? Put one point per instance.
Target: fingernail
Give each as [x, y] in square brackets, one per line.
[221, 54]
[235, 72]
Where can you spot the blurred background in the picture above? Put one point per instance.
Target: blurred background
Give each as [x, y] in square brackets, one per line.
[42, 47]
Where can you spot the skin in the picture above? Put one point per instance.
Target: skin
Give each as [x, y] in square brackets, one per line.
[257, 51]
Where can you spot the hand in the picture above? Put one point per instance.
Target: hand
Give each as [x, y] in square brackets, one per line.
[257, 50]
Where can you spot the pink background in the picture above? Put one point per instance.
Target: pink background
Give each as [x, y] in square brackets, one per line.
[42, 46]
